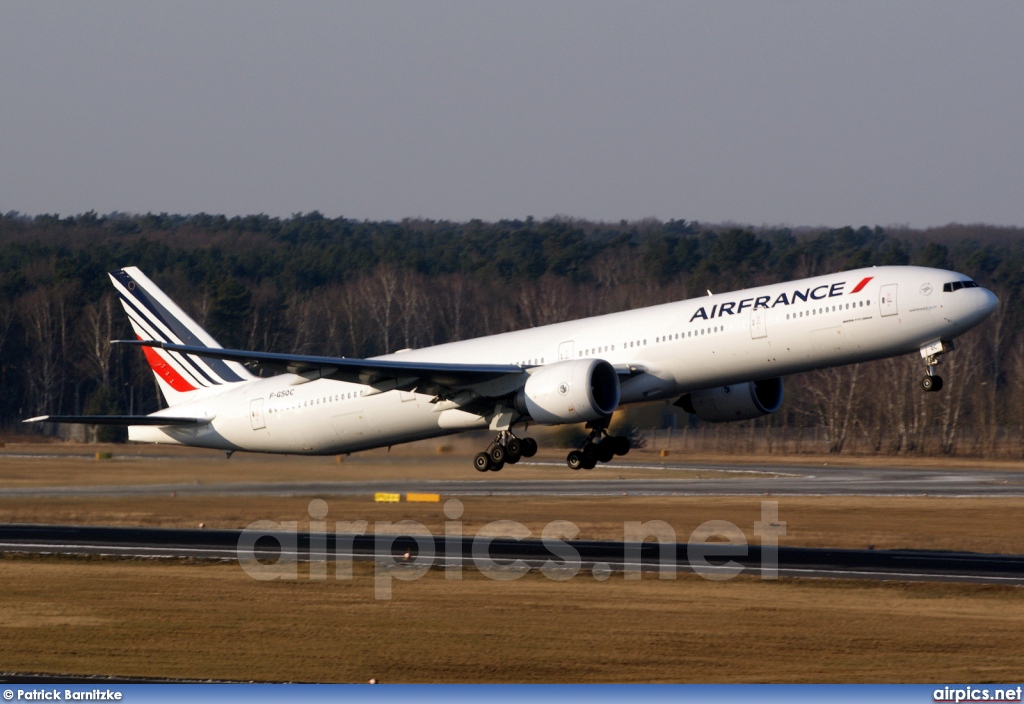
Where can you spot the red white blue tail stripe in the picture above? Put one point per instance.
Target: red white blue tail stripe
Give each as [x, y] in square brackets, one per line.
[154, 316]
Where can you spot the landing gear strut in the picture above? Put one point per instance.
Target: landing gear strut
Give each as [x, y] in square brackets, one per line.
[599, 447]
[506, 448]
[932, 381]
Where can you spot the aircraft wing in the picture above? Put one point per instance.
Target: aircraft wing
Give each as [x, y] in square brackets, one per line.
[382, 374]
[119, 420]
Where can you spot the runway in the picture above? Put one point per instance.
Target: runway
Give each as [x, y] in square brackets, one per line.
[599, 558]
[749, 481]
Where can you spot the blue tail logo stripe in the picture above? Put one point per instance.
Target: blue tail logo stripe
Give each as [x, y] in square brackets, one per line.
[184, 335]
[181, 364]
[155, 333]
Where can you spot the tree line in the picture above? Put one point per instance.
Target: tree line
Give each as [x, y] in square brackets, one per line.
[337, 286]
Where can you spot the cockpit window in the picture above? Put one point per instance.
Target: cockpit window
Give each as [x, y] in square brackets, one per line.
[957, 285]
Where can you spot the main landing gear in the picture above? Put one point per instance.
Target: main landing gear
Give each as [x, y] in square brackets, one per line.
[505, 448]
[599, 447]
[932, 381]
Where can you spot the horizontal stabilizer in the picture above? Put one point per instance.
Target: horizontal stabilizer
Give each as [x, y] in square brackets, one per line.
[119, 420]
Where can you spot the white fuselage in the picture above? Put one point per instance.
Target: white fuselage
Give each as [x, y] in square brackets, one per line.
[729, 338]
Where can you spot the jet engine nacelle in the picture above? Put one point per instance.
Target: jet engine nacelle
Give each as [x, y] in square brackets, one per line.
[735, 402]
[570, 392]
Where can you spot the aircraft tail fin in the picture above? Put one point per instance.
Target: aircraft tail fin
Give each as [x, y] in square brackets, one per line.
[154, 316]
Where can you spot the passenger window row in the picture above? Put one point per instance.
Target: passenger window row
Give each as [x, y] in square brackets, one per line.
[315, 402]
[826, 309]
[643, 342]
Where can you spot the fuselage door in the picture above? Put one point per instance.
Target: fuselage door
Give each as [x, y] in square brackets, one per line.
[757, 324]
[565, 351]
[887, 299]
[256, 414]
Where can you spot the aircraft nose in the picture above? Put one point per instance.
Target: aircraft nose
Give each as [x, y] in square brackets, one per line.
[987, 302]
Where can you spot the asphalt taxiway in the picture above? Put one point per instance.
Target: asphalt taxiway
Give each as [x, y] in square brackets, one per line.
[748, 481]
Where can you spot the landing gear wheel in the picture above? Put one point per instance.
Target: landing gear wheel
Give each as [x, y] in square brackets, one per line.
[482, 462]
[931, 383]
[621, 445]
[589, 457]
[506, 448]
[605, 451]
[513, 450]
[575, 459]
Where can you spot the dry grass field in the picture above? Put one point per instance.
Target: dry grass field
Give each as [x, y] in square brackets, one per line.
[212, 621]
[978, 525]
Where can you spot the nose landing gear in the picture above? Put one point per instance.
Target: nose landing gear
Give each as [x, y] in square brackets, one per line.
[931, 381]
[506, 448]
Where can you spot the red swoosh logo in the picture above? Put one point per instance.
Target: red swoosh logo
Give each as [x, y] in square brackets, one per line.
[862, 284]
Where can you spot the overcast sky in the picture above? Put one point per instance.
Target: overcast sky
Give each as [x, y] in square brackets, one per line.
[799, 113]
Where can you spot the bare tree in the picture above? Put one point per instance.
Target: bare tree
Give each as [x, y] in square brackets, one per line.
[380, 293]
[412, 304]
[962, 369]
[1016, 363]
[832, 393]
[202, 306]
[96, 330]
[334, 320]
[7, 315]
[264, 326]
[547, 300]
[990, 384]
[895, 422]
[303, 316]
[353, 302]
[7, 318]
[44, 314]
[450, 296]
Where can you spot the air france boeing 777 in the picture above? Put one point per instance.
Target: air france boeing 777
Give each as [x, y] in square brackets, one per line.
[722, 357]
